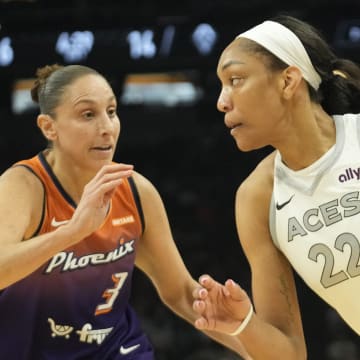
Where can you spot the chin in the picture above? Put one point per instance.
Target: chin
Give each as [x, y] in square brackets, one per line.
[247, 146]
[104, 162]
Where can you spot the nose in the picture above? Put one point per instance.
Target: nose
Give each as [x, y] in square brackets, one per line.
[105, 123]
[223, 103]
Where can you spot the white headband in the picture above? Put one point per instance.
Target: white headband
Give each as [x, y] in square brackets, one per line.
[284, 44]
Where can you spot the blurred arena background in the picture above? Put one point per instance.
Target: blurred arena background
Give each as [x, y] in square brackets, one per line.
[162, 68]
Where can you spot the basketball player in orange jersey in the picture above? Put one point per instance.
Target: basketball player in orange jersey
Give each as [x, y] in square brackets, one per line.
[73, 225]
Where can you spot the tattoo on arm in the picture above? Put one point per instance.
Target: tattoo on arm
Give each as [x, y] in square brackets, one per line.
[284, 289]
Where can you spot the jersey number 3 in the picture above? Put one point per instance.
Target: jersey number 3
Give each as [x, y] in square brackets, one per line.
[328, 277]
[111, 294]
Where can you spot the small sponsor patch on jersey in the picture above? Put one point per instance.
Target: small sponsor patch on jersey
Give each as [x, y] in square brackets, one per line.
[123, 220]
[349, 174]
[86, 333]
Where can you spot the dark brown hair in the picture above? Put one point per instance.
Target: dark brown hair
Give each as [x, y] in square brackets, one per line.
[51, 83]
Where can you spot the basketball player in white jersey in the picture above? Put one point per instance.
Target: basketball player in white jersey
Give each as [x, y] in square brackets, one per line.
[300, 208]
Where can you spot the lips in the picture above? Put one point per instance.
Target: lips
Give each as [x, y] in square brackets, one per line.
[102, 148]
[232, 124]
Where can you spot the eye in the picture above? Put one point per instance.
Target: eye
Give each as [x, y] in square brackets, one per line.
[236, 81]
[112, 112]
[88, 115]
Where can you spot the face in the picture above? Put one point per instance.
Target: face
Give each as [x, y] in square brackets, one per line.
[250, 97]
[86, 125]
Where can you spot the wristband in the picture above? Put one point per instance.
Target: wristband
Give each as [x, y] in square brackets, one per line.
[243, 323]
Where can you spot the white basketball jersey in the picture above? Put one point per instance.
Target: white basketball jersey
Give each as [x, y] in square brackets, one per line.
[315, 220]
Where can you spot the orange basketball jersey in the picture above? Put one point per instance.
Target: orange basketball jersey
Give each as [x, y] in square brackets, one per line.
[76, 304]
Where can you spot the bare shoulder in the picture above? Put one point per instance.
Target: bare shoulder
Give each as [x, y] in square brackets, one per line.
[149, 195]
[20, 178]
[21, 200]
[252, 207]
[143, 184]
[259, 184]
[139, 179]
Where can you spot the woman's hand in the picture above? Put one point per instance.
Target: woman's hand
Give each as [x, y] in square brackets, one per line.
[95, 200]
[220, 307]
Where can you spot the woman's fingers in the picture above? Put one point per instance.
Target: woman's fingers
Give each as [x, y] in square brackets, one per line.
[207, 281]
[235, 290]
[113, 168]
[101, 187]
[109, 173]
[199, 306]
[199, 293]
[201, 323]
[93, 205]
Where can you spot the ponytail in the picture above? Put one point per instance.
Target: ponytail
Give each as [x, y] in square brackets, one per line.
[341, 88]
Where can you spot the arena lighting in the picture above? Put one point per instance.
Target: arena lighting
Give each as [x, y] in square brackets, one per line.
[21, 101]
[354, 33]
[347, 34]
[172, 54]
[75, 46]
[165, 89]
[149, 47]
[6, 52]
[130, 46]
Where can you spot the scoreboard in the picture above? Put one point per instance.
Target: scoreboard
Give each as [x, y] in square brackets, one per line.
[167, 44]
[122, 49]
[174, 42]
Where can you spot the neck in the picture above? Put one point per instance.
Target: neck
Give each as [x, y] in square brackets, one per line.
[312, 134]
[71, 177]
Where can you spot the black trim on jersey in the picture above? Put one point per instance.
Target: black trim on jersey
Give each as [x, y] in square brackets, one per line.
[56, 181]
[137, 201]
[44, 197]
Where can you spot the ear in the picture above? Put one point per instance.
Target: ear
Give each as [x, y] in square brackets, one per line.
[47, 126]
[292, 79]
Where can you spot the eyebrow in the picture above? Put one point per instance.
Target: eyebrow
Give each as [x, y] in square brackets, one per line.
[90, 101]
[231, 62]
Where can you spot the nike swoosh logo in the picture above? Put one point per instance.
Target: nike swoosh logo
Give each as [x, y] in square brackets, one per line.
[280, 206]
[127, 350]
[55, 223]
